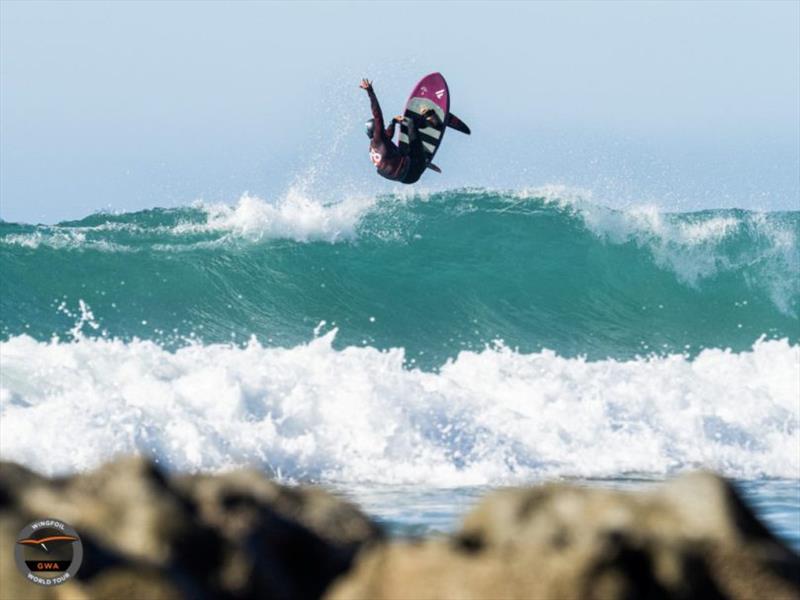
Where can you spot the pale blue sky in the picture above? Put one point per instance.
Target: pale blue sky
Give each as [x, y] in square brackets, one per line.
[131, 105]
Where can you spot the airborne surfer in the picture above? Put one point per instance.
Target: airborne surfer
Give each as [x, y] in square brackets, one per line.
[390, 161]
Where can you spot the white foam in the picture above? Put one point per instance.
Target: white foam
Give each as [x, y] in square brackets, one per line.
[695, 246]
[358, 415]
[694, 249]
[35, 238]
[60, 237]
[294, 216]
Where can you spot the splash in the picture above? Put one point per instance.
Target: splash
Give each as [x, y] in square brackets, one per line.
[295, 216]
[312, 412]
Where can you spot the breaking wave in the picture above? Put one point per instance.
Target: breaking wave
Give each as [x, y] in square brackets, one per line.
[359, 415]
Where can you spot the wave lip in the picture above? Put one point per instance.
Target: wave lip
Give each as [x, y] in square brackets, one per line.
[295, 216]
[312, 412]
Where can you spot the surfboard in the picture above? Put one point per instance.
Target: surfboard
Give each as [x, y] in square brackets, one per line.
[431, 92]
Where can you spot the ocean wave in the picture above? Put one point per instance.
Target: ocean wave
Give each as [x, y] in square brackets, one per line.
[432, 273]
[295, 216]
[359, 414]
[300, 216]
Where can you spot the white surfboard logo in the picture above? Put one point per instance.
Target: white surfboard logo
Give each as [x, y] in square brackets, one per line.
[439, 93]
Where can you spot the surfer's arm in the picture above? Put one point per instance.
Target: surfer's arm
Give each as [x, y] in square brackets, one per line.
[376, 114]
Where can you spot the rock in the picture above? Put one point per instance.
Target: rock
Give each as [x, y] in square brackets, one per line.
[148, 535]
[690, 538]
[333, 519]
[290, 541]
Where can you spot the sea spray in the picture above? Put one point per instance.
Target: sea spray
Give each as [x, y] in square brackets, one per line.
[315, 413]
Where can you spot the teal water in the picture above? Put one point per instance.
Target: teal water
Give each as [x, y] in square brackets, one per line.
[435, 275]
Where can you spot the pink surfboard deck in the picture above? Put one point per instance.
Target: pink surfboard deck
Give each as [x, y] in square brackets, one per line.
[432, 93]
[434, 88]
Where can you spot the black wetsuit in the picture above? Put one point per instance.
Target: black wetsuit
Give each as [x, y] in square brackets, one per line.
[391, 162]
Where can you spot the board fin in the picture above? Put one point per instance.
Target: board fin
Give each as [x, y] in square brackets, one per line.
[457, 124]
[433, 167]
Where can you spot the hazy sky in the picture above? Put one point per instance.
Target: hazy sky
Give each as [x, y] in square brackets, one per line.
[131, 105]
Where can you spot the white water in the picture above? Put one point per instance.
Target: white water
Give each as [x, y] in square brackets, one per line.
[295, 216]
[358, 415]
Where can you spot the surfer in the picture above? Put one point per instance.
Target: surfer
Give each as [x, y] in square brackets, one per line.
[391, 162]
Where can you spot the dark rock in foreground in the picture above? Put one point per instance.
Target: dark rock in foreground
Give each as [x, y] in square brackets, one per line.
[690, 538]
[239, 535]
[146, 535]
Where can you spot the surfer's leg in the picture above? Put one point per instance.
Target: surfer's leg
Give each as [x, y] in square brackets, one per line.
[411, 131]
[418, 162]
[411, 124]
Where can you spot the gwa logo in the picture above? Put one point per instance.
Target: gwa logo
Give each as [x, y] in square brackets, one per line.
[48, 552]
[375, 156]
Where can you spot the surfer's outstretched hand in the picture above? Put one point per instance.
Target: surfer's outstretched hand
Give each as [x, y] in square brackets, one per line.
[399, 119]
[365, 84]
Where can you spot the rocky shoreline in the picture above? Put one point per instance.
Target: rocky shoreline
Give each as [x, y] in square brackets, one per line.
[149, 534]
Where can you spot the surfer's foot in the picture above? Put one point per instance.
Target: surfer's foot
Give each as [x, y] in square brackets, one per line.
[431, 117]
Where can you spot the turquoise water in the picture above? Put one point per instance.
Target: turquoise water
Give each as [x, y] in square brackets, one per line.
[436, 275]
